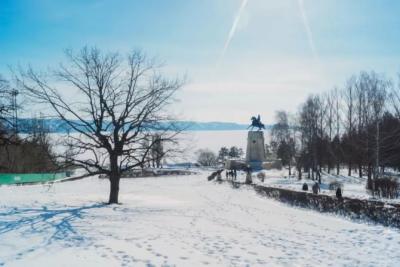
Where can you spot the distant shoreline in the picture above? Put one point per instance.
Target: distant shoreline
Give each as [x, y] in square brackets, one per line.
[59, 126]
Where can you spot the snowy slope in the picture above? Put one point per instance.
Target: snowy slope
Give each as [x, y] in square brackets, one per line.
[353, 187]
[179, 221]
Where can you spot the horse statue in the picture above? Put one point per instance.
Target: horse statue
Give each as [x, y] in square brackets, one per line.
[256, 122]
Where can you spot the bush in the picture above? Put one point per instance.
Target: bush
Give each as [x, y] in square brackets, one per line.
[27, 156]
[385, 187]
[206, 157]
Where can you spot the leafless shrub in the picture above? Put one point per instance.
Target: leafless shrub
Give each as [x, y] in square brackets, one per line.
[385, 187]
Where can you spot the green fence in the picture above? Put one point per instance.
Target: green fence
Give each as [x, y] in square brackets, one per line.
[21, 178]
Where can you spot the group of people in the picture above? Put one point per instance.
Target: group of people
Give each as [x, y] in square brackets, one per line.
[316, 189]
[231, 174]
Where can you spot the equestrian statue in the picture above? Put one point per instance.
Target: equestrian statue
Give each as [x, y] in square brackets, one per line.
[256, 122]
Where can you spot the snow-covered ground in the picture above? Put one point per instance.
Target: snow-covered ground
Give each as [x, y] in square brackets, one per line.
[178, 221]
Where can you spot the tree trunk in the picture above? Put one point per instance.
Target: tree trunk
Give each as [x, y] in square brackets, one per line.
[337, 168]
[349, 174]
[114, 180]
[376, 173]
[299, 173]
[319, 177]
[369, 180]
[290, 170]
[114, 190]
[313, 173]
[360, 170]
[370, 170]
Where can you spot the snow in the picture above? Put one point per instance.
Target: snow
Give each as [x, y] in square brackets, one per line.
[178, 221]
[353, 187]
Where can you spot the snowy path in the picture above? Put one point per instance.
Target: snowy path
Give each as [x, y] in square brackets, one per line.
[183, 221]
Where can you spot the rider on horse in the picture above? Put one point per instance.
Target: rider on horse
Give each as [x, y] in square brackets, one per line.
[256, 122]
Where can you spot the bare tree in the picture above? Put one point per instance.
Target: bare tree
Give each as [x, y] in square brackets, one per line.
[280, 130]
[349, 99]
[5, 110]
[322, 141]
[283, 139]
[223, 153]
[377, 88]
[338, 123]
[120, 103]
[309, 121]
[394, 96]
[370, 101]
[329, 121]
[206, 157]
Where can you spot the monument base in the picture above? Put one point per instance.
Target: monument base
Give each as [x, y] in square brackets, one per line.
[255, 152]
[255, 165]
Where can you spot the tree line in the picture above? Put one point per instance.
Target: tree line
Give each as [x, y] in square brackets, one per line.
[356, 127]
[208, 158]
[28, 154]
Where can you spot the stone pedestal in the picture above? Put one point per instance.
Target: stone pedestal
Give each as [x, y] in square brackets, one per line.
[255, 152]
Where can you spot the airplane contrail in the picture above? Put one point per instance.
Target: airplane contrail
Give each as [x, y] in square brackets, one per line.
[307, 28]
[233, 29]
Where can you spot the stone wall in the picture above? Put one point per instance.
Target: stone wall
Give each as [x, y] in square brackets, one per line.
[367, 210]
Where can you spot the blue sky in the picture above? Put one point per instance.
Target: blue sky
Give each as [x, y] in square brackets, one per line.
[277, 56]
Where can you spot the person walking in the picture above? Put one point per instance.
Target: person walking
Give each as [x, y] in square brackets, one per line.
[315, 188]
[339, 193]
[305, 187]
